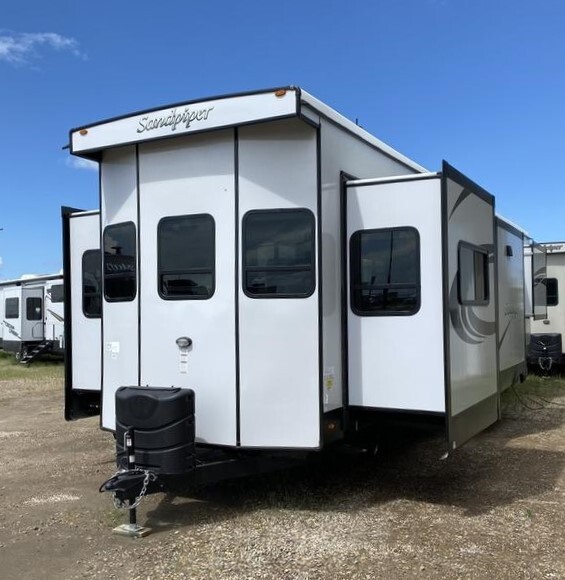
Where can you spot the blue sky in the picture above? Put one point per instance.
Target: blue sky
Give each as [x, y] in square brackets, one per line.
[478, 83]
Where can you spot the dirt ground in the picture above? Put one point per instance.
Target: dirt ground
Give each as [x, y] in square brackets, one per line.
[494, 509]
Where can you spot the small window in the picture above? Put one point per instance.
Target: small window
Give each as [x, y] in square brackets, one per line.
[552, 291]
[473, 275]
[120, 280]
[12, 308]
[57, 294]
[34, 308]
[92, 284]
[186, 257]
[385, 272]
[279, 253]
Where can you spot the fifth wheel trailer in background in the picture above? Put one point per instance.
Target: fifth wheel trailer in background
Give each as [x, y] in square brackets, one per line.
[31, 316]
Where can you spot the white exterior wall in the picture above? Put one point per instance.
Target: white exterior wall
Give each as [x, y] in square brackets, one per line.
[511, 299]
[12, 327]
[341, 151]
[120, 329]
[86, 331]
[473, 340]
[397, 362]
[190, 176]
[279, 339]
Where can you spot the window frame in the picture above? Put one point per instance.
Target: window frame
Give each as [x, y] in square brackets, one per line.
[34, 318]
[193, 270]
[62, 300]
[103, 257]
[246, 269]
[17, 301]
[90, 252]
[555, 294]
[355, 259]
[485, 253]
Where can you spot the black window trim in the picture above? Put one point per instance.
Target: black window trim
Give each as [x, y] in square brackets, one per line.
[480, 250]
[103, 257]
[17, 300]
[92, 251]
[311, 267]
[353, 254]
[190, 270]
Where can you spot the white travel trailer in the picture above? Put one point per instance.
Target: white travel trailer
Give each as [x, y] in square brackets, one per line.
[298, 275]
[27, 327]
[548, 328]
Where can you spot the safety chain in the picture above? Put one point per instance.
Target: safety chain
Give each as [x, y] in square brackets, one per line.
[149, 477]
[545, 363]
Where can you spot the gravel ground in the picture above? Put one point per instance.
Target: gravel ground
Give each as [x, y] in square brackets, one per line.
[495, 509]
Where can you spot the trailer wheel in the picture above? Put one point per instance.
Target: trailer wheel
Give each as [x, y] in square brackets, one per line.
[18, 356]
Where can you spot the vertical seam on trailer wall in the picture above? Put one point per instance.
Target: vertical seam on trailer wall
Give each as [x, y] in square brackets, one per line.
[320, 286]
[138, 208]
[236, 295]
[445, 313]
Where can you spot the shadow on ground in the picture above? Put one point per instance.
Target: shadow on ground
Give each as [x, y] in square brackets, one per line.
[505, 464]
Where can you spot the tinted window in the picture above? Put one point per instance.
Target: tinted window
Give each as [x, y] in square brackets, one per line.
[278, 254]
[57, 294]
[12, 308]
[385, 271]
[186, 250]
[120, 282]
[473, 275]
[34, 308]
[92, 284]
[552, 291]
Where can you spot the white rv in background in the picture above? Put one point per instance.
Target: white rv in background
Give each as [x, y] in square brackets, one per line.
[548, 329]
[31, 325]
[301, 277]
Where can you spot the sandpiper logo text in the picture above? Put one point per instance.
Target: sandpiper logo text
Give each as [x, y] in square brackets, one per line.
[174, 119]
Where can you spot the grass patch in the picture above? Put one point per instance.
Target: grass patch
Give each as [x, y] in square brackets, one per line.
[11, 369]
[535, 394]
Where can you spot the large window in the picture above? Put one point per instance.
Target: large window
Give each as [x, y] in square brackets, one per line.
[34, 308]
[186, 257]
[552, 290]
[92, 284]
[473, 275]
[120, 281]
[12, 308]
[385, 272]
[57, 293]
[279, 253]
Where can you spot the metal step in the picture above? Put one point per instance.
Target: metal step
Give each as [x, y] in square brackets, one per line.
[35, 352]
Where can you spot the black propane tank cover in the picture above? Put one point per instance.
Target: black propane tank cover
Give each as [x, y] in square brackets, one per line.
[162, 421]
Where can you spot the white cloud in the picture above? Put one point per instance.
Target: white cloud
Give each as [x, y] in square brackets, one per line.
[20, 48]
[78, 163]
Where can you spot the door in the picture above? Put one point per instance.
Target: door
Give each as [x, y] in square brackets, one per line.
[394, 301]
[187, 275]
[32, 314]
